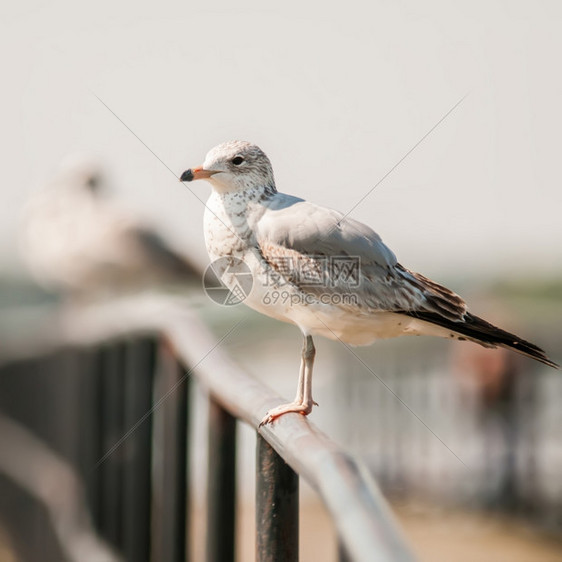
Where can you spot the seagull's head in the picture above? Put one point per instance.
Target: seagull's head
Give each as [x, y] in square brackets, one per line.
[82, 171]
[234, 166]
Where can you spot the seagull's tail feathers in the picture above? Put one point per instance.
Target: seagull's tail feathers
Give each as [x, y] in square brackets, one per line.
[476, 329]
[436, 297]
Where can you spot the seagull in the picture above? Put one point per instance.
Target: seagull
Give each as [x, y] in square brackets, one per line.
[328, 274]
[78, 241]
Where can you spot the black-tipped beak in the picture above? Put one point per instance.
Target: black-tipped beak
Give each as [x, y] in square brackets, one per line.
[198, 173]
[187, 175]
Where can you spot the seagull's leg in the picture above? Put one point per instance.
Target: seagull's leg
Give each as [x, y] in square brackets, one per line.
[303, 401]
[309, 352]
[300, 384]
[304, 388]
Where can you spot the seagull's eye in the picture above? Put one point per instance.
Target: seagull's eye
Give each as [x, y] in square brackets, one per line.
[237, 160]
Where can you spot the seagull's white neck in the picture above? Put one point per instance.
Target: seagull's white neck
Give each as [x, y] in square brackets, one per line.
[252, 193]
[238, 210]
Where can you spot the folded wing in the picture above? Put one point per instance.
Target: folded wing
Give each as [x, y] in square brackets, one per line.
[305, 243]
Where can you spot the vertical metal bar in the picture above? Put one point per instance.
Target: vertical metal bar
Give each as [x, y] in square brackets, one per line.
[277, 507]
[182, 499]
[138, 450]
[111, 470]
[221, 485]
[90, 443]
[342, 553]
[172, 528]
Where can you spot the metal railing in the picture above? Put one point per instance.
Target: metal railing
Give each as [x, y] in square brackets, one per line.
[143, 354]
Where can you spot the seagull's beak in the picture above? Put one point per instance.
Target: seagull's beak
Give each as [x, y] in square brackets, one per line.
[198, 173]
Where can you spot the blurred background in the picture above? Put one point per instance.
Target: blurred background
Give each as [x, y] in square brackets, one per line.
[104, 105]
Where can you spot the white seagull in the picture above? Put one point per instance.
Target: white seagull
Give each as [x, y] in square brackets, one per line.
[76, 240]
[326, 273]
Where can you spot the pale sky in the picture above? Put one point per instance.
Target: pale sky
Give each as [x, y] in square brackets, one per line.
[336, 94]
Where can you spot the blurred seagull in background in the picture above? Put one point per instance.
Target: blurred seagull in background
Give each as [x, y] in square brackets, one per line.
[76, 240]
[287, 242]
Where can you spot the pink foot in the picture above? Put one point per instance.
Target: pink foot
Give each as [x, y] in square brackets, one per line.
[292, 407]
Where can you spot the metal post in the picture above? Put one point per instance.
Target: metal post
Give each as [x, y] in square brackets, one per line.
[90, 445]
[342, 553]
[112, 429]
[173, 525]
[221, 485]
[137, 446]
[277, 507]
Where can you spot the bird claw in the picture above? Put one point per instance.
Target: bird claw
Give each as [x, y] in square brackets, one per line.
[292, 407]
[267, 419]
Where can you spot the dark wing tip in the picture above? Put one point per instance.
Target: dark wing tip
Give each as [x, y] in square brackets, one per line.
[480, 331]
[157, 250]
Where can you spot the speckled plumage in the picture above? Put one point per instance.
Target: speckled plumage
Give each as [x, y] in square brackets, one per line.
[255, 223]
[248, 219]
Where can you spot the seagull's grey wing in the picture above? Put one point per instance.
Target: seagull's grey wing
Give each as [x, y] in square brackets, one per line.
[317, 248]
[314, 230]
